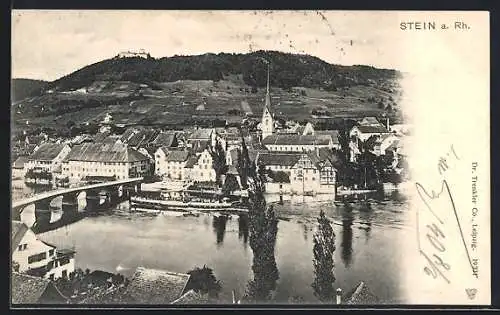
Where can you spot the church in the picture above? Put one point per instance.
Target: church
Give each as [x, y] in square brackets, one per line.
[298, 142]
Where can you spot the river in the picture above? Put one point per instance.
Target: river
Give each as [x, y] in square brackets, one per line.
[367, 247]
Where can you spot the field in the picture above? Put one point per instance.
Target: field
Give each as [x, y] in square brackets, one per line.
[174, 102]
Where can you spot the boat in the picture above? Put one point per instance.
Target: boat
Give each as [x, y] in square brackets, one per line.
[162, 204]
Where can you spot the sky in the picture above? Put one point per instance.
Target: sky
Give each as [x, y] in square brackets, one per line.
[49, 44]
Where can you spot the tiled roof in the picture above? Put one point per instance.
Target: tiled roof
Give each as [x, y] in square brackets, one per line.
[19, 229]
[289, 139]
[369, 121]
[192, 161]
[47, 151]
[191, 297]
[201, 134]
[200, 146]
[105, 152]
[19, 162]
[27, 289]
[177, 156]
[100, 137]
[284, 159]
[361, 295]
[152, 286]
[333, 133]
[165, 139]
[142, 137]
[372, 129]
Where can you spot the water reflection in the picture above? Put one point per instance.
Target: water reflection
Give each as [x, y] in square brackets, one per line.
[243, 228]
[346, 242]
[263, 231]
[219, 225]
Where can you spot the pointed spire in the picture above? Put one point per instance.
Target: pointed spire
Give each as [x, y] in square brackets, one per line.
[268, 96]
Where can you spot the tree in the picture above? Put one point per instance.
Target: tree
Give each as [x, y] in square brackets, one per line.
[230, 184]
[263, 228]
[203, 281]
[323, 250]
[218, 161]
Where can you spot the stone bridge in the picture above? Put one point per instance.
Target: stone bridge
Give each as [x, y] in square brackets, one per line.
[114, 192]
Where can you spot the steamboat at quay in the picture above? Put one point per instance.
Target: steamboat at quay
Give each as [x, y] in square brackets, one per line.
[190, 200]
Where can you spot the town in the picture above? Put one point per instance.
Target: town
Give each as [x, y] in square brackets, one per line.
[366, 154]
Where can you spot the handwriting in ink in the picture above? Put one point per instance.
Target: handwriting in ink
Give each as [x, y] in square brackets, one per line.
[437, 266]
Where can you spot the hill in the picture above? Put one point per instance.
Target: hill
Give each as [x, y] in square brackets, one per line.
[22, 88]
[185, 90]
[288, 70]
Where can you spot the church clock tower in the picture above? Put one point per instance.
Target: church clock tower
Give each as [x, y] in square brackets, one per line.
[267, 124]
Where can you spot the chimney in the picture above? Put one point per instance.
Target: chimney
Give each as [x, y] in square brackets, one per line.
[339, 296]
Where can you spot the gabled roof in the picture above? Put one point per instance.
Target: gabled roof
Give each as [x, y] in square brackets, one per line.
[177, 156]
[283, 159]
[28, 289]
[18, 231]
[19, 162]
[192, 161]
[333, 133]
[369, 121]
[361, 295]
[292, 139]
[165, 139]
[200, 146]
[47, 151]
[105, 152]
[153, 286]
[201, 134]
[372, 129]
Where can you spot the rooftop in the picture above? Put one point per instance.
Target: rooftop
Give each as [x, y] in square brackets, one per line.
[47, 151]
[152, 286]
[333, 133]
[361, 295]
[284, 159]
[105, 152]
[292, 139]
[165, 139]
[192, 161]
[367, 121]
[17, 233]
[28, 289]
[191, 297]
[177, 156]
[372, 129]
[19, 162]
[201, 134]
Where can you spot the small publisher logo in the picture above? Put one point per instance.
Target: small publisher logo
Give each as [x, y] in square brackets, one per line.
[471, 293]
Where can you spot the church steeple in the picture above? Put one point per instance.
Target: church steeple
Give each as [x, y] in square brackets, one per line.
[268, 96]
[267, 116]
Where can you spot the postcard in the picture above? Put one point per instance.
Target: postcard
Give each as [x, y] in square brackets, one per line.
[250, 157]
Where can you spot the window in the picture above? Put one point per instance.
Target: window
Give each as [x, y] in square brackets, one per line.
[313, 178]
[37, 258]
[51, 252]
[64, 274]
[51, 277]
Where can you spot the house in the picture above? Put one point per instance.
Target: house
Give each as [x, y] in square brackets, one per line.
[313, 174]
[155, 287]
[18, 170]
[115, 161]
[176, 161]
[37, 257]
[161, 160]
[166, 139]
[370, 121]
[200, 134]
[334, 134]
[48, 157]
[278, 161]
[297, 143]
[363, 132]
[26, 289]
[203, 170]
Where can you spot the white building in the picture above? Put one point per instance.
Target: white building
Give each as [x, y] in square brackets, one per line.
[36, 257]
[176, 161]
[161, 161]
[297, 143]
[104, 160]
[48, 157]
[267, 123]
[363, 132]
[203, 170]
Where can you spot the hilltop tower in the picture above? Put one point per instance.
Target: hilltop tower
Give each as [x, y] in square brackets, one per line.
[267, 116]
